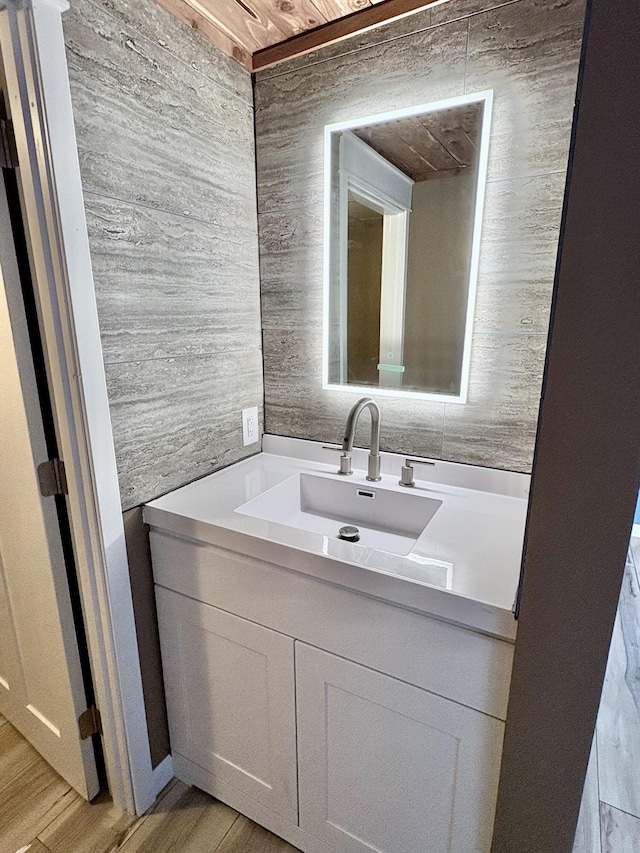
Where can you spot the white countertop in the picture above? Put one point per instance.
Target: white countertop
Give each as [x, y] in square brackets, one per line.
[464, 567]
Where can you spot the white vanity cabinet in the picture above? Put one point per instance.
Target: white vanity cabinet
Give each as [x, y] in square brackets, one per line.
[231, 700]
[340, 722]
[385, 766]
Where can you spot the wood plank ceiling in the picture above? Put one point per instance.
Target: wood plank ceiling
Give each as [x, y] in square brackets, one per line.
[426, 147]
[260, 33]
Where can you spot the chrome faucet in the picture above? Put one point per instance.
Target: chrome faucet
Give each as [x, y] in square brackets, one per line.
[350, 431]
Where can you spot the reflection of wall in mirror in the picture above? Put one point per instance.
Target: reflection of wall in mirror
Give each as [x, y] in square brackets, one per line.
[363, 310]
[441, 229]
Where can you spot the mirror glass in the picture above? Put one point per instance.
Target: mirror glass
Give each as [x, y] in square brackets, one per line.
[404, 194]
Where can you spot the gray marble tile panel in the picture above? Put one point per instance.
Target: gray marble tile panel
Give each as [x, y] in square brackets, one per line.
[518, 251]
[497, 425]
[292, 109]
[117, 159]
[420, 20]
[101, 46]
[528, 53]
[620, 831]
[175, 420]
[293, 379]
[151, 129]
[179, 40]
[296, 405]
[170, 285]
[291, 267]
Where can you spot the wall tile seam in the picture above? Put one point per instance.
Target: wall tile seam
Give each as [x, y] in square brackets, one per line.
[259, 79]
[466, 58]
[244, 231]
[185, 356]
[492, 334]
[444, 428]
[475, 14]
[311, 206]
[526, 177]
[261, 293]
[618, 809]
[533, 175]
[490, 181]
[297, 328]
[294, 328]
[173, 56]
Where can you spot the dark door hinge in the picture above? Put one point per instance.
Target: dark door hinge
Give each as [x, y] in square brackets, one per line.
[90, 722]
[8, 149]
[52, 478]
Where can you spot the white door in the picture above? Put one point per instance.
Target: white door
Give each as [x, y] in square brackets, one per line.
[41, 686]
[385, 767]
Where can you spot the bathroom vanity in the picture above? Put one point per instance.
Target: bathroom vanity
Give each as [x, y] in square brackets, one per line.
[348, 696]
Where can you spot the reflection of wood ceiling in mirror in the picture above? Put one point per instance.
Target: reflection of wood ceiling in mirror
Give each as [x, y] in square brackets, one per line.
[260, 33]
[429, 146]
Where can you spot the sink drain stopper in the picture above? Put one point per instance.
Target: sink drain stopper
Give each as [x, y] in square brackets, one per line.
[349, 533]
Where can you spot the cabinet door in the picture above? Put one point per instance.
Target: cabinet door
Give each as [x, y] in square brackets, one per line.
[388, 767]
[231, 700]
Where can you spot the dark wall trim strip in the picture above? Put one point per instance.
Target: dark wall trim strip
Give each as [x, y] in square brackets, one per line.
[587, 461]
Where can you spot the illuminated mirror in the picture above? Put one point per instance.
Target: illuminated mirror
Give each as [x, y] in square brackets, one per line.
[404, 194]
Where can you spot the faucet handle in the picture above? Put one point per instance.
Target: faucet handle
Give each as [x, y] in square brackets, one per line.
[406, 478]
[345, 459]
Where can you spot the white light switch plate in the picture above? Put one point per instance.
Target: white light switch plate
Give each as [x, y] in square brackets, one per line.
[250, 431]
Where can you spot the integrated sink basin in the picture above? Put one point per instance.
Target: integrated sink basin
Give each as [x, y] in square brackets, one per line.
[387, 519]
[450, 547]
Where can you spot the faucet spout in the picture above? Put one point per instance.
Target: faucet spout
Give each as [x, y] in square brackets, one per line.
[373, 473]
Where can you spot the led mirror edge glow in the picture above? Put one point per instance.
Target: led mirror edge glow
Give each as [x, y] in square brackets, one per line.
[483, 160]
[326, 259]
[481, 187]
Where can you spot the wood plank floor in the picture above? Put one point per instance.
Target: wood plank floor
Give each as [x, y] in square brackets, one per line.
[610, 813]
[40, 813]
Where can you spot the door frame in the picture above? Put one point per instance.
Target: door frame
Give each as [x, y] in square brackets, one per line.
[32, 51]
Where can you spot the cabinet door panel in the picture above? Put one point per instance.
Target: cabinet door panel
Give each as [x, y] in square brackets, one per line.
[388, 767]
[230, 698]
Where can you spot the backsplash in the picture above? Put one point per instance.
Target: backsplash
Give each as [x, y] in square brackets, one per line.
[527, 51]
[165, 137]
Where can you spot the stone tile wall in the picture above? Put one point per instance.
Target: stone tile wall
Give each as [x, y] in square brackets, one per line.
[527, 51]
[166, 142]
